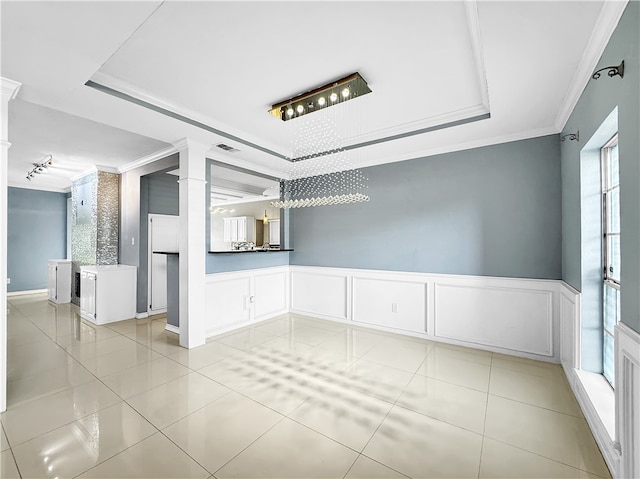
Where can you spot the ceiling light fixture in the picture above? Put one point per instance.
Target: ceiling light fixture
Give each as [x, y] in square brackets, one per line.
[346, 88]
[39, 168]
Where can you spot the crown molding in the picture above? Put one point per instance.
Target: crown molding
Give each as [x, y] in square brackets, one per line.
[13, 184]
[479, 143]
[473, 23]
[9, 87]
[145, 160]
[607, 22]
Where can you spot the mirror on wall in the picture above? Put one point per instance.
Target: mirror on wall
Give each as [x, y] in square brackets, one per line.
[242, 217]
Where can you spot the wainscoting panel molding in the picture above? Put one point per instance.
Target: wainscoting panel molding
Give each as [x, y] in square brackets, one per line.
[270, 294]
[510, 315]
[395, 304]
[240, 298]
[628, 399]
[509, 318]
[320, 293]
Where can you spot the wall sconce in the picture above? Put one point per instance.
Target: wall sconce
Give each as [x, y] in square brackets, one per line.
[40, 167]
[342, 90]
[571, 136]
[612, 71]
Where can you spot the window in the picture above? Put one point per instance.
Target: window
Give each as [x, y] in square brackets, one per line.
[611, 252]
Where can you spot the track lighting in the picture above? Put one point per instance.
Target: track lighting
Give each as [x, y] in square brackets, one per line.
[39, 168]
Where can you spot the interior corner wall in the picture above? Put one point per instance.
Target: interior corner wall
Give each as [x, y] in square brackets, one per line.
[491, 211]
[36, 233]
[131, 247]
[598, 100]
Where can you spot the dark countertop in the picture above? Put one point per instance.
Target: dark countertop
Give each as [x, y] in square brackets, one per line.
[165, 252]
[250, 251]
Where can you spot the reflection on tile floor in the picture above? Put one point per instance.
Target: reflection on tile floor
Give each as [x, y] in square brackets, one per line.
[290, 397]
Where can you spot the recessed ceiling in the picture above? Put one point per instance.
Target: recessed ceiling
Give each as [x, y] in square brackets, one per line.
[445, 75]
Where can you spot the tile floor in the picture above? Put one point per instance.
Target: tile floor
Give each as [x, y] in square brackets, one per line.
[291, 397]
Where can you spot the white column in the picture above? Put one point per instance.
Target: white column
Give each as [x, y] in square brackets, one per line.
[191, 239]
[9, 91]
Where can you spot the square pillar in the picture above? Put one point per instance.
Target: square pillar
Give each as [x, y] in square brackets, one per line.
[9, 91]
[191, 243]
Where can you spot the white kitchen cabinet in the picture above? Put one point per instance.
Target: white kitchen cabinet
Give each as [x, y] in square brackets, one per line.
[107, 293]
[239, 228]
[274, 232]
[59, 280]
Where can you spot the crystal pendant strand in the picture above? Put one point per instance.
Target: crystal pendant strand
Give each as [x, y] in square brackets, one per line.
[322, 172]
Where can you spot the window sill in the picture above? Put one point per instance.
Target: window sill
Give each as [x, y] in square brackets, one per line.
[602, 398]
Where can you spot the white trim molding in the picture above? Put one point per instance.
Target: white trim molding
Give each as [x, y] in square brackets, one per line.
[25, 292]
[239, 298]
[517, 316]
[627, 352]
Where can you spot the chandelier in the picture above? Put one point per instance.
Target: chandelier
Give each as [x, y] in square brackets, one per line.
[321, 171]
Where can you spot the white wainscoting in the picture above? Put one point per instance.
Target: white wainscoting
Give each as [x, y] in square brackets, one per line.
[320, 292]
[628, 399]
[510, 315]
[390, 302]
[239, 298]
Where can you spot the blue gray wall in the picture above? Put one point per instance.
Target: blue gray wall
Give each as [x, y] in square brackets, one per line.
[36, 232]
[598, 100]
[492, 211]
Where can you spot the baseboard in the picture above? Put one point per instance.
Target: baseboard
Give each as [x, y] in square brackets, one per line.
[21, 293]
[172, 329]
[600, 416]
[142, 315]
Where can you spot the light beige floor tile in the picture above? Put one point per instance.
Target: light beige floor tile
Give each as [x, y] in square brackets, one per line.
[8, 468]
[419, 446]
[47, 382]
[507, 462]
[276, 326]
[400, 354]
[549, 391]
[4, 444]
[335, 326]
[34, 418]
[365, 468]
[246, 339]
[283, 345]
[155, 457]
[457, 405]
[176, 399]
[146, 376]
[346, 417]
[118, 361]
[524, 365]
[84, 332]
[336, 359]
[353, 341]
[376, 380]
[28, 360]
[290, 450]
[204, 355]
[556, 436]
[310, 335]
[217, 432]
[76, 447]
[460, 352]
[457, 367]
[166, 344]
[83, 351]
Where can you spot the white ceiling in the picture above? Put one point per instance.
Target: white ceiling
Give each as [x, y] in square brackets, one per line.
[223, 64]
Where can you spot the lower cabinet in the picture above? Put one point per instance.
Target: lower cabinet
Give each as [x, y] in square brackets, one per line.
[107, 293]
[59, 280]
